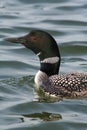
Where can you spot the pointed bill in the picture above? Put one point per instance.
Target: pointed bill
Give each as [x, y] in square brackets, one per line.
[16, 40]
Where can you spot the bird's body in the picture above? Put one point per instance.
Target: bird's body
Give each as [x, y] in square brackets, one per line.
[64, 85]
[71, 84]
[47, 78]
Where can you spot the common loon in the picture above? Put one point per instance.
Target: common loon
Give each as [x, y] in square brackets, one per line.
[47, 78]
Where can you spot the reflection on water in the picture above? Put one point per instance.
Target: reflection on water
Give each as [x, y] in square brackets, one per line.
[45, 116]
[21, 109]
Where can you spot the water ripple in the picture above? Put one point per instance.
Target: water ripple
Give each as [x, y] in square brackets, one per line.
[67, 22]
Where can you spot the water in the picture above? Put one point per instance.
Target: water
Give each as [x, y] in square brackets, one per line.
[66, 21]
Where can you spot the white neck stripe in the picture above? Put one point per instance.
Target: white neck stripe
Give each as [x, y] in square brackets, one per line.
[51, 60]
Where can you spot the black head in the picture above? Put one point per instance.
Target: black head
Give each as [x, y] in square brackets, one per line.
[41, 43]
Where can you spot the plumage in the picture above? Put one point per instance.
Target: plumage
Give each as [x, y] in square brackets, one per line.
[47, 78]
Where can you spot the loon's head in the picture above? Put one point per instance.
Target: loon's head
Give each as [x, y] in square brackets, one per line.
[44, 45]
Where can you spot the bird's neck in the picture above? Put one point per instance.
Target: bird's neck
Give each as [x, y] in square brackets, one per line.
[50, 66]
[46, 70]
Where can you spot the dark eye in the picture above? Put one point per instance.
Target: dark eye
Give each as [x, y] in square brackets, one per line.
[34, 38]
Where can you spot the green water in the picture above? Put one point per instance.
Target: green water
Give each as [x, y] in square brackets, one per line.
[66, 21]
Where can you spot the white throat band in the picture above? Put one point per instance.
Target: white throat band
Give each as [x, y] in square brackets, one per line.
[51, 60]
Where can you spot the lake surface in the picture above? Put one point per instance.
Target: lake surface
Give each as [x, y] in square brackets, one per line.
[66, 21]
